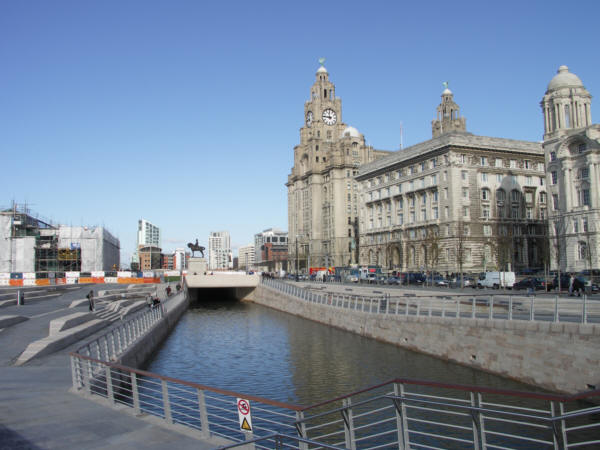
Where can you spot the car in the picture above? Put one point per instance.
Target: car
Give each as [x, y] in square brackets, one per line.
[393, 281]
[436, 280]
[413, 278]
[352, 279]
[526, 283]
[467, 282]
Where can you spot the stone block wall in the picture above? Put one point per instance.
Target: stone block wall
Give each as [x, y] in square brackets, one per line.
[561, 357]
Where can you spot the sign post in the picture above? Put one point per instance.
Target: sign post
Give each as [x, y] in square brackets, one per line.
[244, 415]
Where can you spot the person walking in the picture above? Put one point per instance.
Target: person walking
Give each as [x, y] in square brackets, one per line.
[90, 298]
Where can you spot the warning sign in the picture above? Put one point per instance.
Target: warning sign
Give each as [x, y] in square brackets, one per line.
[243, 407]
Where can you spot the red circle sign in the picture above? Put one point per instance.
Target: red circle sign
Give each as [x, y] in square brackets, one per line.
[243, 407]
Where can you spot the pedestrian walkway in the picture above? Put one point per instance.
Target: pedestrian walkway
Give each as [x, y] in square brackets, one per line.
[37, 409]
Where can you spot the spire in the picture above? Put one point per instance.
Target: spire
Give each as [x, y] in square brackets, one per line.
[448, 115]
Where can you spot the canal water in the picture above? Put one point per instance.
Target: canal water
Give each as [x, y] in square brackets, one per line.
[251, 349]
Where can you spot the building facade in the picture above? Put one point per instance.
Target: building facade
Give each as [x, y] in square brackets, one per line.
[246, 257]
[271, 250]
[572, 151]
[148, 234]
[455, 203]
[150, 257]
[219, 251]
[29, 244]
[322, 191]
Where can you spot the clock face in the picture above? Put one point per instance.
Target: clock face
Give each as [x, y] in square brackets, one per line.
[329, 117]
[309, 119]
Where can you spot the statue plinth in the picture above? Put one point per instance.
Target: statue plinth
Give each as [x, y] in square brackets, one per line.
[197, 266]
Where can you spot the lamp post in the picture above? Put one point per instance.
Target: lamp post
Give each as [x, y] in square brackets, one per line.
[297, 256]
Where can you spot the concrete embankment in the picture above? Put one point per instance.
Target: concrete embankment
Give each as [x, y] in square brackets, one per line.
[135, 355]
[562, 357]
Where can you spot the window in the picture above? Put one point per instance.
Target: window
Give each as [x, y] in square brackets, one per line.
[484, 161]
[412, 217]
[582, 251]
[466, 230]
[528, 197]
[515, 212]
[585, 225]
[555, 201]
[585, 197]
[584, 172]
[465, 192]
[463, 175]
[542, 181]
[422, 167]
[487, 230]
[422, 182]
[433, 179]
[484, 177]
[575, 226]
[498, 162]
[513, 163]
[412, 201]
[400, 218]
[527, 164]
[529, 180]
[554, 175]
[465, 211]
[435, 196]
[424, 214]
[412, 170]
[552, 156]
[581, 148]
[463, 159]
[529, 213]
[485, 211]
[435, 212]
[485, 194]
[445, 193]
[542, 197]
[498, 178]
[543, 213]
[446, 212]
[515, 196]
[434, 163]
[400, 188]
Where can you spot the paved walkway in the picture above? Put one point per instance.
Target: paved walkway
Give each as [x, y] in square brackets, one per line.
[37, 410]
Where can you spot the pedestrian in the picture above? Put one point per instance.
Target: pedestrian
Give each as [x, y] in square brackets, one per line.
[530, 287]
[90, 298]
[571, 285]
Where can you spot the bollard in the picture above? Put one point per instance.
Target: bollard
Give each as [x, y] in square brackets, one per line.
[20, 297]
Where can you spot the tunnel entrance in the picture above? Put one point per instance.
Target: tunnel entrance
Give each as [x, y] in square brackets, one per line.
[205, 295]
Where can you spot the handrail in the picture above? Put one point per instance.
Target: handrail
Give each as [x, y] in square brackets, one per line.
[277, 437]
[189, 383]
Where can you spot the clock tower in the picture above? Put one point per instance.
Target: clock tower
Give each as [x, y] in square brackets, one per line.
[322, 192]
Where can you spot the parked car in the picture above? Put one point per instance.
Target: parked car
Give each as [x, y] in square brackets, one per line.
[352, 278]
[413, 278]
[537, 284]
[393, 281]
[436, 280]
[369, 278]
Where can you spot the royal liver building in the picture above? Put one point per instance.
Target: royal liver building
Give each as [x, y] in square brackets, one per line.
[322, 191]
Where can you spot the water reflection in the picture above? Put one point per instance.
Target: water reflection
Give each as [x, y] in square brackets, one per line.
[256, 350]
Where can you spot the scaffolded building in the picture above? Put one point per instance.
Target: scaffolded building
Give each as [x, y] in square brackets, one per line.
[30, 244]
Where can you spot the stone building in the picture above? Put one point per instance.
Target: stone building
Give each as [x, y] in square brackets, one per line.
[456, 203]
[322, 191]
[572, 150]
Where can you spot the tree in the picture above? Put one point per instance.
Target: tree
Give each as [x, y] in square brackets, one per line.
[432, 245]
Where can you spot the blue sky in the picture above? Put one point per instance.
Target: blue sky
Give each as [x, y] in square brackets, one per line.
[186, 113]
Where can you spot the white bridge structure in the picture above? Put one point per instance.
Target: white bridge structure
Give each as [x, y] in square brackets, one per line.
[204, 284]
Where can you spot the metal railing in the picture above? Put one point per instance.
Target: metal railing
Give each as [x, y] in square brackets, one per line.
[401, 413]
[486, 306]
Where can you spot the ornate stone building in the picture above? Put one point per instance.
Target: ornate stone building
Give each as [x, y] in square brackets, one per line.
[455, 203]
[572, 150]
[322, 191]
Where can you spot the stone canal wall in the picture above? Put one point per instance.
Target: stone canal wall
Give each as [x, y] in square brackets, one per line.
[562, 357]
[141, 350]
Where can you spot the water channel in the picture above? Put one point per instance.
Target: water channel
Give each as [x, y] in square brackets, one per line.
[251, 349]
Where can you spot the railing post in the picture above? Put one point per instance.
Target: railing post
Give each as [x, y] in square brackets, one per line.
[109, 386]
[473, 304]
[204, 423]
[106, 349]
[387, 304]
[558, 427]
[491, 307]
[166, 402]
[477, 422]
[401, 418]
[348, 424]
[444, 307]
[301, 429]
[74, 375]
[135, 393]
[532, 309]
[510, 307]
[556, 315]
[418, 307]
[584, 309]
[457, 307]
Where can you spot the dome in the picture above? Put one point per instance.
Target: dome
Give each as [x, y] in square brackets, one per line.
[351, 131]
[564, 78]
[322, 69]
[447, 92]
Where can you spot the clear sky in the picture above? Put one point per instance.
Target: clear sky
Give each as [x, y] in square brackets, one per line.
[186, 113]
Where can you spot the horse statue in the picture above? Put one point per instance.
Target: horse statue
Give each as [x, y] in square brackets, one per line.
[196, 248]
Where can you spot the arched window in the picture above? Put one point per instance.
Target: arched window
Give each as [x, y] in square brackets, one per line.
[582, 250]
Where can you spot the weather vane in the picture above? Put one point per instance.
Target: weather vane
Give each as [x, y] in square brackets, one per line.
[445, 84]
[321, 61]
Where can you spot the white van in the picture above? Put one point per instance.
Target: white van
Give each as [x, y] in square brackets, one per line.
[496, 280]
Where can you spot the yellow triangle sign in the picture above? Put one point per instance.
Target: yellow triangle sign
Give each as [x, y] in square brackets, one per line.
[245, 425]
